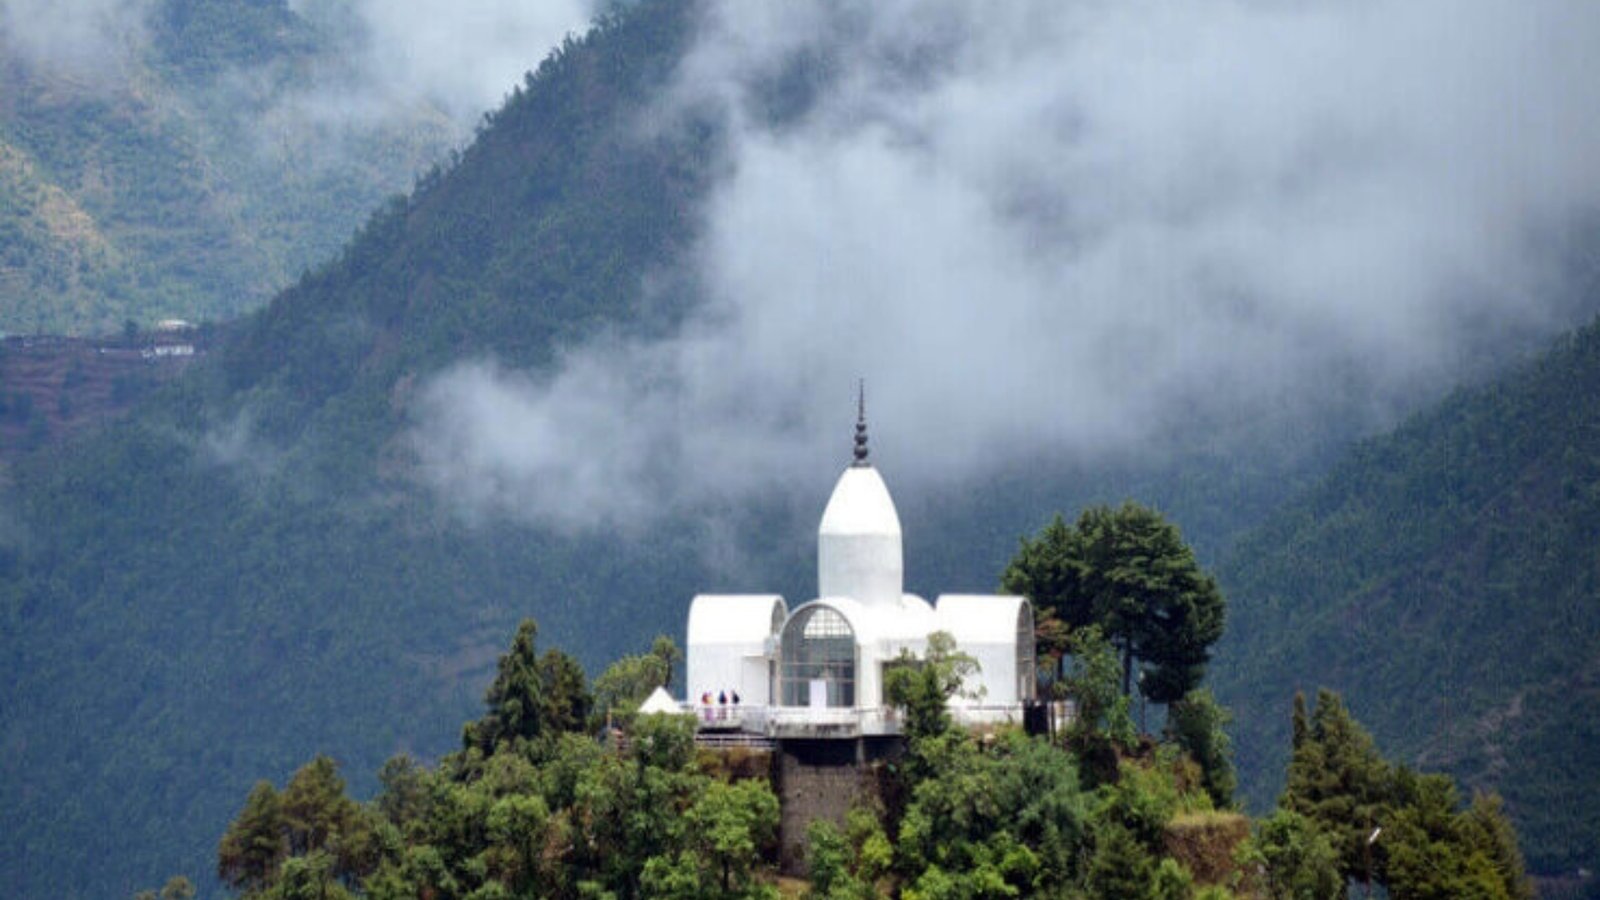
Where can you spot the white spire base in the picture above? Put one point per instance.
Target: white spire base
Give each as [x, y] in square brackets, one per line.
[859, 550]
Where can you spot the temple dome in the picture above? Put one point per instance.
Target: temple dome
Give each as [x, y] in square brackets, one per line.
[859, 552]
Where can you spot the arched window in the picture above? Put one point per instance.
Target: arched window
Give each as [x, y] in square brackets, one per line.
[819, 653]
[1027, 678]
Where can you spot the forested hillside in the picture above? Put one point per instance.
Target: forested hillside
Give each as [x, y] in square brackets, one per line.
[1446, 577]
[251, 570]
[239, 577]
[168, 182]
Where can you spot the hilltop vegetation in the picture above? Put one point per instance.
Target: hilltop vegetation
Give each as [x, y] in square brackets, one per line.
[535, 805]
[1445, 578]
[173, 185]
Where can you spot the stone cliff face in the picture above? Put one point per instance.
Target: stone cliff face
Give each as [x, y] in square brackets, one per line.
[823, 779]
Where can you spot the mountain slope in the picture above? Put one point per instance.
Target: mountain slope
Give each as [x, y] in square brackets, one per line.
[177, 187]
[1446, 578]
[249, 570]
[228, 582]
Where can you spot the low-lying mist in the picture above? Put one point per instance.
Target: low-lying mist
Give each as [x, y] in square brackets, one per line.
[461, 57]
[1079, 231]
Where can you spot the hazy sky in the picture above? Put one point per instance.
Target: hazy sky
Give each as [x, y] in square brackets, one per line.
[1076, 229]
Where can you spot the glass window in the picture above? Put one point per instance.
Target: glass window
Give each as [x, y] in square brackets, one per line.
[819, 649]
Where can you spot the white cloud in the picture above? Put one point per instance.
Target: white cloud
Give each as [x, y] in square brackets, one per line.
[79, 39]
[396, 56]
[1082, 230]
[462, 56]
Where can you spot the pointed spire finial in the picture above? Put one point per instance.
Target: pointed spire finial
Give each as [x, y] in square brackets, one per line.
[861, 425]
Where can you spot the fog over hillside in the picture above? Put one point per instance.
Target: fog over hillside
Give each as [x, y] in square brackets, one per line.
[84, 39]
[1067, 229]
[465, 55]
[462, 56]
[191, 158]
[1079, 229]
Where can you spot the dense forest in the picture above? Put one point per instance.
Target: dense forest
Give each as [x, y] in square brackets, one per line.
[1445, 577]
[240, 570]
[249, 572]
[176, 186]
[560, 791]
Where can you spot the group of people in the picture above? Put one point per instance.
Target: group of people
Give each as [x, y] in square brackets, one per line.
[716, 708]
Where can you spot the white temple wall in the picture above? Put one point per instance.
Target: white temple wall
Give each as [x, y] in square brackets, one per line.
[997, 675]
[727, 667]
[867, 567]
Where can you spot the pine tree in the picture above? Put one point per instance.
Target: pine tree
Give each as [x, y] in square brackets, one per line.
[564, 694]
[1301, 723]
[516, 696]
[1198, 723]
[1121, 867]
[666, 650]
[1338, 780]
[1295, 860]
[1489, 831]
[255, 843]
[312, 812]
[1434, 850]
[533, 698]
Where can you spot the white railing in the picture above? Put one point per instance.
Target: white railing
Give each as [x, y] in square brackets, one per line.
[721, 740]
[802, 721]
[986, 713]
[832, 715]
[728, 717]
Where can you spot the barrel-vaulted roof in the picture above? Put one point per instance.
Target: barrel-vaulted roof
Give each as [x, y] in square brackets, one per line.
[979, 619]
[735, 618]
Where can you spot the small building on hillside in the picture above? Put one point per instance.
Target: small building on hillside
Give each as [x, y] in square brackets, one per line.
[816, 671]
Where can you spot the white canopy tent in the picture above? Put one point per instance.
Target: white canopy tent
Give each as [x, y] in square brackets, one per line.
[660, 701]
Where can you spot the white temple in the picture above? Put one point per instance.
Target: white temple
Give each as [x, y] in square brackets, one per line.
[817, 671]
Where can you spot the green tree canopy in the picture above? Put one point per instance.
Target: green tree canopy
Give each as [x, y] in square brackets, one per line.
[1293, 858]
[1198, 724]
[922, 688]
[728, 827]
[666, 649]
[627, 682]
[1432, 849]
[960, 815]
[533, 698]
[254, 844]
[848, 865]
[1128, 571]
[1338, 780]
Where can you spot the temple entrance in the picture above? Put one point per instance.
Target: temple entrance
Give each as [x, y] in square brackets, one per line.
[819, 659]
